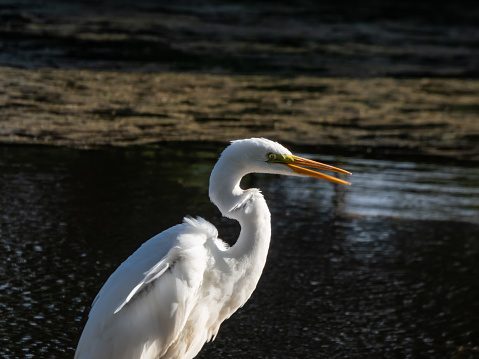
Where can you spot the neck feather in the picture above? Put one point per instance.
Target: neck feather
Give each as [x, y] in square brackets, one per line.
[248, 207]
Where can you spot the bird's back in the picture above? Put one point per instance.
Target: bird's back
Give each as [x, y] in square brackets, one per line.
[153, 293]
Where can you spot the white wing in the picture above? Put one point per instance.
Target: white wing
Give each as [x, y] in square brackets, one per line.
[145, 303]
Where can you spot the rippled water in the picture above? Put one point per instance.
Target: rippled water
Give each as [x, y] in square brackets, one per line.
[388, 267]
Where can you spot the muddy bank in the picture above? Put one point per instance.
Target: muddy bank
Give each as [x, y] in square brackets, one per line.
[85, 109]
[389, 78]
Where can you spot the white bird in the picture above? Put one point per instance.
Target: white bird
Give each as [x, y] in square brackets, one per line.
[171, 296]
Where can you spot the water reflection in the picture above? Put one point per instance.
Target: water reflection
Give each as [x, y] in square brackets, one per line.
[387, 267]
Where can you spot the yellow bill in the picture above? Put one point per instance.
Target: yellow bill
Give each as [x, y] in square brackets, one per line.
[299, 161]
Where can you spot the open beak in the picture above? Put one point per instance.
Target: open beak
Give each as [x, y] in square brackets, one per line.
[299, 161]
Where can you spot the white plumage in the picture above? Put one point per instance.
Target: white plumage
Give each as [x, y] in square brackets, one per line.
[171, 296]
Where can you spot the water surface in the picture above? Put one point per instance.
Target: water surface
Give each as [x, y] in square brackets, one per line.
[385, 268]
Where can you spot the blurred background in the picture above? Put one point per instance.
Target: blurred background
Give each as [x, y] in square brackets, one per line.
[113, 113]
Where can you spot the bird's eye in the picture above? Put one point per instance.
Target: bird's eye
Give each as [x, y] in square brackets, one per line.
[271, 156]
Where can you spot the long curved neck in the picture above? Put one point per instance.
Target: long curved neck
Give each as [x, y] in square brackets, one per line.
[248, 207]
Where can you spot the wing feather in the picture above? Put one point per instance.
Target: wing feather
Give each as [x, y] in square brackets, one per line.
[145, 303]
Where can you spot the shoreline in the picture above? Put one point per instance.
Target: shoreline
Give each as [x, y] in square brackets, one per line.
[429, 118]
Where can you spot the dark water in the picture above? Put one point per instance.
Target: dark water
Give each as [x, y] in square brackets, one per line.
[388, 267]
[343, 38]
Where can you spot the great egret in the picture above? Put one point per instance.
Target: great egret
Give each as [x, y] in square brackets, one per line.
[171, 296]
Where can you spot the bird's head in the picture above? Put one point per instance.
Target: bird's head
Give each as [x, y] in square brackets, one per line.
[257, 155]
[260, 155]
